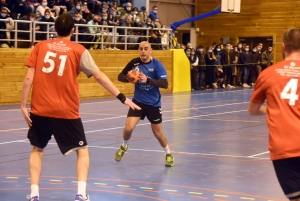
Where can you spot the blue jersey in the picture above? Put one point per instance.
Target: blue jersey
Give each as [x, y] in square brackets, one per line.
[146, 93]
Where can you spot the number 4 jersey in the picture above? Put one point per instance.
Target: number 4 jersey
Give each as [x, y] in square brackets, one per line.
[280, 86]
[57, 64]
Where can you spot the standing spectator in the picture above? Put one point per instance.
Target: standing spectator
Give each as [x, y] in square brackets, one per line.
[201, 65]
[235, 59]
[227, 67]
[256, 58]
[246, 59]
[194, 60]
[210, 76]
[153, 14]
[219, 54]
[267, 57]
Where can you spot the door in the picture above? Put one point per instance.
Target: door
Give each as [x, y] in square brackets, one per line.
[254, 41]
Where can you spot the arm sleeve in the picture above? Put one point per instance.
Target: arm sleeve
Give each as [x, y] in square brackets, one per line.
[87, 64]
[122, 76]
[158, 83]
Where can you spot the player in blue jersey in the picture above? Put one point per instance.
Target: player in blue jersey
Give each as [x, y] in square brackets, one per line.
[153, 76]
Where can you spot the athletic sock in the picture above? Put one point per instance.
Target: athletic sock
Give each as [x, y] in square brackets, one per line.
[167, 150]
[125, 144]
[34, 190]
[82, 188]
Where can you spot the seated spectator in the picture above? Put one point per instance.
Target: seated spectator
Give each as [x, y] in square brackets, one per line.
[43, 27]
[94, 6]
[113, 20]
[9, 25]
[62, 6]
[138, 32]
[105, 9]
[134, 13]
[33, 4]
[130, 38]
[76, 9]
[153, 14]
[127, 9]
[18, 7]
[164, 37]
[3, 3]
[94, 31]
[79, 29]
[143, 14]
[26, 27]
[40, 11]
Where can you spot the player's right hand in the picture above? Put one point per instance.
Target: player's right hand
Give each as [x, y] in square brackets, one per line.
[131, 104]
[26, 116]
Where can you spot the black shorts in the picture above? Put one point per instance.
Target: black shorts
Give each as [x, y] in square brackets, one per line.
[152, 113]
[68, 133]
[288, 175]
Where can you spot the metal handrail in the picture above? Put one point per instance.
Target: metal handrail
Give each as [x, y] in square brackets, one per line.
[114, 33]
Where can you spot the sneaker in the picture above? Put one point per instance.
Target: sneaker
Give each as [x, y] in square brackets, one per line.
[214, 85]
[169, 160]
[230, 86]
[246, 85]
[35, 198]
[120, 153]
[79, 197]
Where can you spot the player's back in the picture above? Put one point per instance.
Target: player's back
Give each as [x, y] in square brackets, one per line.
[55, 88]
[281, 84]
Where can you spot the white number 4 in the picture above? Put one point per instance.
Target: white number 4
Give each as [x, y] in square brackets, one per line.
[47, 59]
[291, 86]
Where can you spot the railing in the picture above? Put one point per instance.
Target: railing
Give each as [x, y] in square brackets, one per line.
[128, 40]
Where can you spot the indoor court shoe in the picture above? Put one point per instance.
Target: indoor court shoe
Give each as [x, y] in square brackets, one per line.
[79, 197]
[35, 198]
[169, 160]
[120, 153]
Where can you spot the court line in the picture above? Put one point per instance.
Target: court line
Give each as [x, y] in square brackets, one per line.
[103, 119]
[13, 141]
[163, 96]
[259, 154]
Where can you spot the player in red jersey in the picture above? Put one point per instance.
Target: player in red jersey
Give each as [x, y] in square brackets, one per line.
[279, 85]
[53, 67]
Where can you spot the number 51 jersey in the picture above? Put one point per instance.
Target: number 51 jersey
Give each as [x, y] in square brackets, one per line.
[57, 64]
[280, 86]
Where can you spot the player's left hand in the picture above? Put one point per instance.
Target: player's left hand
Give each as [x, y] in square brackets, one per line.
[143, 78]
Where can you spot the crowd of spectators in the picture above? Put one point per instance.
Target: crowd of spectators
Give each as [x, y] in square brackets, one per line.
[85, 12]
[227, 66]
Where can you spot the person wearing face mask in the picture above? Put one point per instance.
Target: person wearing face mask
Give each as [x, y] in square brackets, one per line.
[219, 54]
[201, 65]
[40, 11]
[267, 57]
[210, 76]
[143, 14]
[127, 9]
[194, 60]
[256, 58]
[94, 30]
[227, 67]
[43, 27]
[81, 29]
[134, 13]
[153, 14]
[246, 59]
[76, 9]
[9, 25]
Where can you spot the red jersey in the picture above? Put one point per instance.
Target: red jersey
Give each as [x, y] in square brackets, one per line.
[57, 64]
[280, 86]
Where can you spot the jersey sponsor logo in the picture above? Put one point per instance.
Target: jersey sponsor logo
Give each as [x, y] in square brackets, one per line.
[157, 119]
[163, 76]
[151, 69]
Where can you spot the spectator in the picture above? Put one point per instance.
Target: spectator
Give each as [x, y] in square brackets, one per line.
[164, 37]
[143, 14]
[267, 57]
[153, 14]
[18, 6]
[201, 65]
[62, 6]
[40, 11]
[127, 9]
[194, 60]
[130, 36]
[94, 31]
[3, 3]
[9, 25]
[226, 63]
[26, 27]
[33, 4]
[210, 76]
[246, 59]
[43, 27]
[79, 29]
[76, 9]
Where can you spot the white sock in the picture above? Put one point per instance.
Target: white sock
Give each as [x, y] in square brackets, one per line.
[34, 190]
[81, 188]
[125, 144]
[167, 150]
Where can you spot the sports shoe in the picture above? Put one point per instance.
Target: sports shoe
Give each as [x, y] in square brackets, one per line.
[169, 161]
[246, 85]
[120, 153]
[79, 197]
[35, 198]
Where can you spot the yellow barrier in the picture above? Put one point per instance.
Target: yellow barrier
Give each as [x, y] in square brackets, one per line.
[181, 71]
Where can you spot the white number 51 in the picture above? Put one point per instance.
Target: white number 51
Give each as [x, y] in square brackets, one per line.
[47, 59]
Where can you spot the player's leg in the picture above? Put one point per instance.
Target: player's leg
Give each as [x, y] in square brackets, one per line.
[160, 136]
[39, 134]
[131, 122]
[132, 119]
[288, 174]
[69, 135]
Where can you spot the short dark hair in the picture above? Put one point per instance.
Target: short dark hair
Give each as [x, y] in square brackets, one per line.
[64, 24]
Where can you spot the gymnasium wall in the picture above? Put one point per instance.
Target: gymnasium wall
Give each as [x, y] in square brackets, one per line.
[257, 18]
[13, 70]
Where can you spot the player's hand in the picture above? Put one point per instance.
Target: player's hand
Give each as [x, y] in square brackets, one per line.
[143, 78]
[26, 116]
[131, 104]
